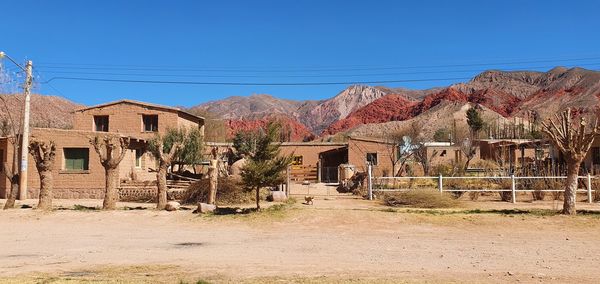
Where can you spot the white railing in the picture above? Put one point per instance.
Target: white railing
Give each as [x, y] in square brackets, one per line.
[382, 184]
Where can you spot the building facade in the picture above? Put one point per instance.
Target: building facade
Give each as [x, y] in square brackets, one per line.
[77, 170]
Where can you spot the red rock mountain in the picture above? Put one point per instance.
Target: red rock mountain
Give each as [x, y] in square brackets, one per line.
[292, 130]
[506, 93]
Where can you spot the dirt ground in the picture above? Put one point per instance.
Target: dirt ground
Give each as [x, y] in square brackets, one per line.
[340, 240]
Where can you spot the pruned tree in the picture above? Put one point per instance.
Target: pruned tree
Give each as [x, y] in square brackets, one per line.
[164, 149]
[213, 175]
[573, 140]
[265, 167]
[9, 128]
[111, 150]
[12, 174]
[44, 155]
[424, 157]
[399, 151]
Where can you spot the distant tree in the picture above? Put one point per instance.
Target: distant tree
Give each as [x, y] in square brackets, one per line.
[265, 165]
[573, 141]
[246, 142]
[475, 121]
[192, 152]
[442, 135]
[111, 150]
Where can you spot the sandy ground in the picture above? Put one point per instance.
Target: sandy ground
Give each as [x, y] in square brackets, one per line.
[338, 240]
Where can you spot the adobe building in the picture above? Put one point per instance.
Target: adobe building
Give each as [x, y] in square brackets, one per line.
[77, 171]
[517, 153]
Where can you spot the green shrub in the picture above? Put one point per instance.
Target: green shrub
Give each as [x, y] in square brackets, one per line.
[419, 199]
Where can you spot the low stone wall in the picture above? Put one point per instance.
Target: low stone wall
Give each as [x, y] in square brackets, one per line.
[70, 193]
[142, 194]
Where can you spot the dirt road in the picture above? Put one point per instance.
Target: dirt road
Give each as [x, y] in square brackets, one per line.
[301, 243]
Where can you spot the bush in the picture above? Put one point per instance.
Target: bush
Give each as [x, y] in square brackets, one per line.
[419, 199]
[229, 191]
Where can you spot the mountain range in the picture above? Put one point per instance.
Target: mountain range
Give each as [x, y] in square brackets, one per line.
[376, 110]
[503, 95]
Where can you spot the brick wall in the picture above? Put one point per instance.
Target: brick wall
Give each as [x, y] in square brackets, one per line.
[126, 118]
[74, 184]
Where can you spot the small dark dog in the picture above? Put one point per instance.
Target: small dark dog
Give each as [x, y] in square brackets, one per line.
[309, 200]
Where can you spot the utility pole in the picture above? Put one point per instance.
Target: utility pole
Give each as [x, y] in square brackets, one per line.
[25, 137]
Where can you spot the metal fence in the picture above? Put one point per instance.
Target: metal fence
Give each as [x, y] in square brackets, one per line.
[513, 184]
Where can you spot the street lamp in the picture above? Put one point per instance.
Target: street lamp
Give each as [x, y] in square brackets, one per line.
[25, 136]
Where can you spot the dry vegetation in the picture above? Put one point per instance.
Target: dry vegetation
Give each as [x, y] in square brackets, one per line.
[231, 192]
[419, 199]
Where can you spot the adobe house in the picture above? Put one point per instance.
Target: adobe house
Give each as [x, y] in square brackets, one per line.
[134, 118]
[517, 153]
[77, 171]
[447, 153]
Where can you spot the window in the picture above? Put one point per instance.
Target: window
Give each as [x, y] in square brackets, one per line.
[372, 158]
[297, 161]
[1, 160]
[101, 123]
[138, 158]
[76, 159]
[150, 123]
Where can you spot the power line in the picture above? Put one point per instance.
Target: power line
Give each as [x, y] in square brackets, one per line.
[241, 70]
[251, 83]
[302, 76]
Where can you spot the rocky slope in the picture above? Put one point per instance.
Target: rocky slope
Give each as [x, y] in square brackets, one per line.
[509, 94]
[46, 111]
[292, 130]
[446, 114]
[315, 115]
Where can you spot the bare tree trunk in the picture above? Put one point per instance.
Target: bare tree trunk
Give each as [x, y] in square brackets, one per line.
[213, 174]
[14, 191]
[161, 177]
[111, 194]
[46, 186]
[570, 196]
[257, 198]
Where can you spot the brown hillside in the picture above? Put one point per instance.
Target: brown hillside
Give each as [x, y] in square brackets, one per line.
[46, 111]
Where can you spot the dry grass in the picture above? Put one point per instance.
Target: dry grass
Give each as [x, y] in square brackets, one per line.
[230, 192]
[419, 199]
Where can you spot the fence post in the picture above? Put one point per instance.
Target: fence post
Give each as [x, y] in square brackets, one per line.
[287, 181]
[370, 180]
[440, 184]
[589, 187]
[319, 171]
[513, 188]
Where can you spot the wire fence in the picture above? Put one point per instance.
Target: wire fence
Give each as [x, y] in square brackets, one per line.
[509, 184]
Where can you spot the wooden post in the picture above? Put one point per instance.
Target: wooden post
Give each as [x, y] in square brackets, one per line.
[440, 185]
[319, 171]
[589, 187]
[287, 182]
[25, 138]
[370, 180]
[513, 188]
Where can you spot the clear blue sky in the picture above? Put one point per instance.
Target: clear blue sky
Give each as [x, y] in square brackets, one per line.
[279, 41]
